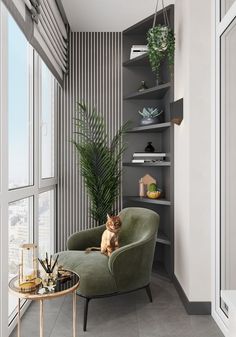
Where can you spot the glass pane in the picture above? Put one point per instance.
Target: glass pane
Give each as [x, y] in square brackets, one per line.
[46, 223]
[19, 112]
[47, 122]
[19, 225]
[225, 6]
[228, 158]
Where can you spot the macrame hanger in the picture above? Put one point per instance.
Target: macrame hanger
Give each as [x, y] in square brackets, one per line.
[165, 15]
[166, 20]
[155, 15]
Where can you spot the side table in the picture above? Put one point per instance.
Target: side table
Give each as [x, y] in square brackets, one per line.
[62, 288]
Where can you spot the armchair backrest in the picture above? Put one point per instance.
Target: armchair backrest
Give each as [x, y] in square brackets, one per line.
[138, 224]
[131, 264]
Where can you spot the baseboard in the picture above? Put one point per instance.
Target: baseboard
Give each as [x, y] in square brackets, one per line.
[192, 308]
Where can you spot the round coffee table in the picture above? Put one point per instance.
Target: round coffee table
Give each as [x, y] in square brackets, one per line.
[63, 287]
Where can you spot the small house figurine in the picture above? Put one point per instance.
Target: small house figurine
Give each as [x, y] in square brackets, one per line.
[144, 182]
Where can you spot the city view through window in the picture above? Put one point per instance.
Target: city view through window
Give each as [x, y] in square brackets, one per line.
[22, 225]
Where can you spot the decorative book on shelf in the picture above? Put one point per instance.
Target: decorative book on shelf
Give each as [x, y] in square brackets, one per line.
[147, 157]
[149, 154]
[138, 50]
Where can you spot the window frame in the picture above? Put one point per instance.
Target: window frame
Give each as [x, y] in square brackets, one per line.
[219, 26]
[10, 195]
[31, 135]
[45, 182]
[53, 215]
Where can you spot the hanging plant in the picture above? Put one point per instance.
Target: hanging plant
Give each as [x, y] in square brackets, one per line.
[161, 44]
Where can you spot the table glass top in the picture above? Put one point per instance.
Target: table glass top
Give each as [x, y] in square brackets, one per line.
[63, 285]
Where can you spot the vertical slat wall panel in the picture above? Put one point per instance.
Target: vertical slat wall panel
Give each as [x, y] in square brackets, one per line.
[94, 77]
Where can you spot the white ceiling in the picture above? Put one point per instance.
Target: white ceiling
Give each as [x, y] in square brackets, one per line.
[107, 15]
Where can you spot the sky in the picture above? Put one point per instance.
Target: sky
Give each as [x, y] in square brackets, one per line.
[18, 111]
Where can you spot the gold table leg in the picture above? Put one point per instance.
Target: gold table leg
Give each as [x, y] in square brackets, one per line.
[74, 314]
[41, 318]
[18, 325]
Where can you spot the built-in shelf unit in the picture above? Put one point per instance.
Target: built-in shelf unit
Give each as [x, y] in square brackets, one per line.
[161, 135]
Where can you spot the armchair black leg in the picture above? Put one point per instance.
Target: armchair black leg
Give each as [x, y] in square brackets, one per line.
[148, 291]
[86, 303]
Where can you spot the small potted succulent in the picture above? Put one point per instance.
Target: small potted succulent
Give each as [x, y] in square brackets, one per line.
[161, 44]
[150, 116]
[153, 192]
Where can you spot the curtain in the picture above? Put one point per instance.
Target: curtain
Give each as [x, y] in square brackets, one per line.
[41, 22]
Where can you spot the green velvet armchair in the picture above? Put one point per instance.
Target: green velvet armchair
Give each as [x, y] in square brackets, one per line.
[127, 269]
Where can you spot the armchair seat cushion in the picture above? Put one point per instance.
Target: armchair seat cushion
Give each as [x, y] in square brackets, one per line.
[128, 268]
[95, 276]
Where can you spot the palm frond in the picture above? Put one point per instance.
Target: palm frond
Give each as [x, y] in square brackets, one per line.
[100, 161]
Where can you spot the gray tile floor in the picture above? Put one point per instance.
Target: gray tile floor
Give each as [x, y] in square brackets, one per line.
[128, 316]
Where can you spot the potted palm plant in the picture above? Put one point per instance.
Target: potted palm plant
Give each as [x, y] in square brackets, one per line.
[100, 160]
[161, 44]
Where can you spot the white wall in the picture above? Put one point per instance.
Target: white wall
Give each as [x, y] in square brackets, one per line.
[192, 148]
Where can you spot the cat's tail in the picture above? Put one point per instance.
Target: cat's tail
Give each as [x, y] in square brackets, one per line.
[90, 249]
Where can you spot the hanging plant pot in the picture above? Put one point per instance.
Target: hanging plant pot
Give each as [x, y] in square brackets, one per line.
[161, 44]
[162, 39]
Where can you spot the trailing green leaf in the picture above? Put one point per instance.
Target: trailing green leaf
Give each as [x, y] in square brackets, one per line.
[100, 160]
[161, 43]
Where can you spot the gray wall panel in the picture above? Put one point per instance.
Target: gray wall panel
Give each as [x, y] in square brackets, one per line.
[94, 77]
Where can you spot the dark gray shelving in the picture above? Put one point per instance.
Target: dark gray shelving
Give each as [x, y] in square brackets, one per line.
[137, 61]
[155, 93]
[161, 135]
[161, 163]
[160, 201]
[162, 238]
[143, 26]
[151, 128]
[159, 268]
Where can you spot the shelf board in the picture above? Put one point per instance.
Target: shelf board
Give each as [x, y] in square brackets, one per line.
[156, 92]
[160, 201]
[159, 269]
[141, 60]
[160, 127]
[162, 238]
[160, 163]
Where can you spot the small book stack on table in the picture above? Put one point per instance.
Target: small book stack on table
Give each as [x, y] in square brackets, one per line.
[146, 157]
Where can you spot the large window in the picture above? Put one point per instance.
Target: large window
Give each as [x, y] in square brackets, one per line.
[47, 122]
[27, 167]
[19, 107]
[46, 218]
[19, 232]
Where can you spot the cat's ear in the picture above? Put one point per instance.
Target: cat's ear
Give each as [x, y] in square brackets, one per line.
[108, 217]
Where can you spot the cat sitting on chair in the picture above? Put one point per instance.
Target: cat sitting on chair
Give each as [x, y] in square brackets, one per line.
[110, 237]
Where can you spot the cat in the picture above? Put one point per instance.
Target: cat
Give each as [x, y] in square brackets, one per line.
[110, 237]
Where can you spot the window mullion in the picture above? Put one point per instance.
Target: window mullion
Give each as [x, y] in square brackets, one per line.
[4, 174]
[37, 169]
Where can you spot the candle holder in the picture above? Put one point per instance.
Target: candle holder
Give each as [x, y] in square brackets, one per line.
[28, 268]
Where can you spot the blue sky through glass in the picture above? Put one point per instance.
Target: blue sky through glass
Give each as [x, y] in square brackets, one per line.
[18, 106]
